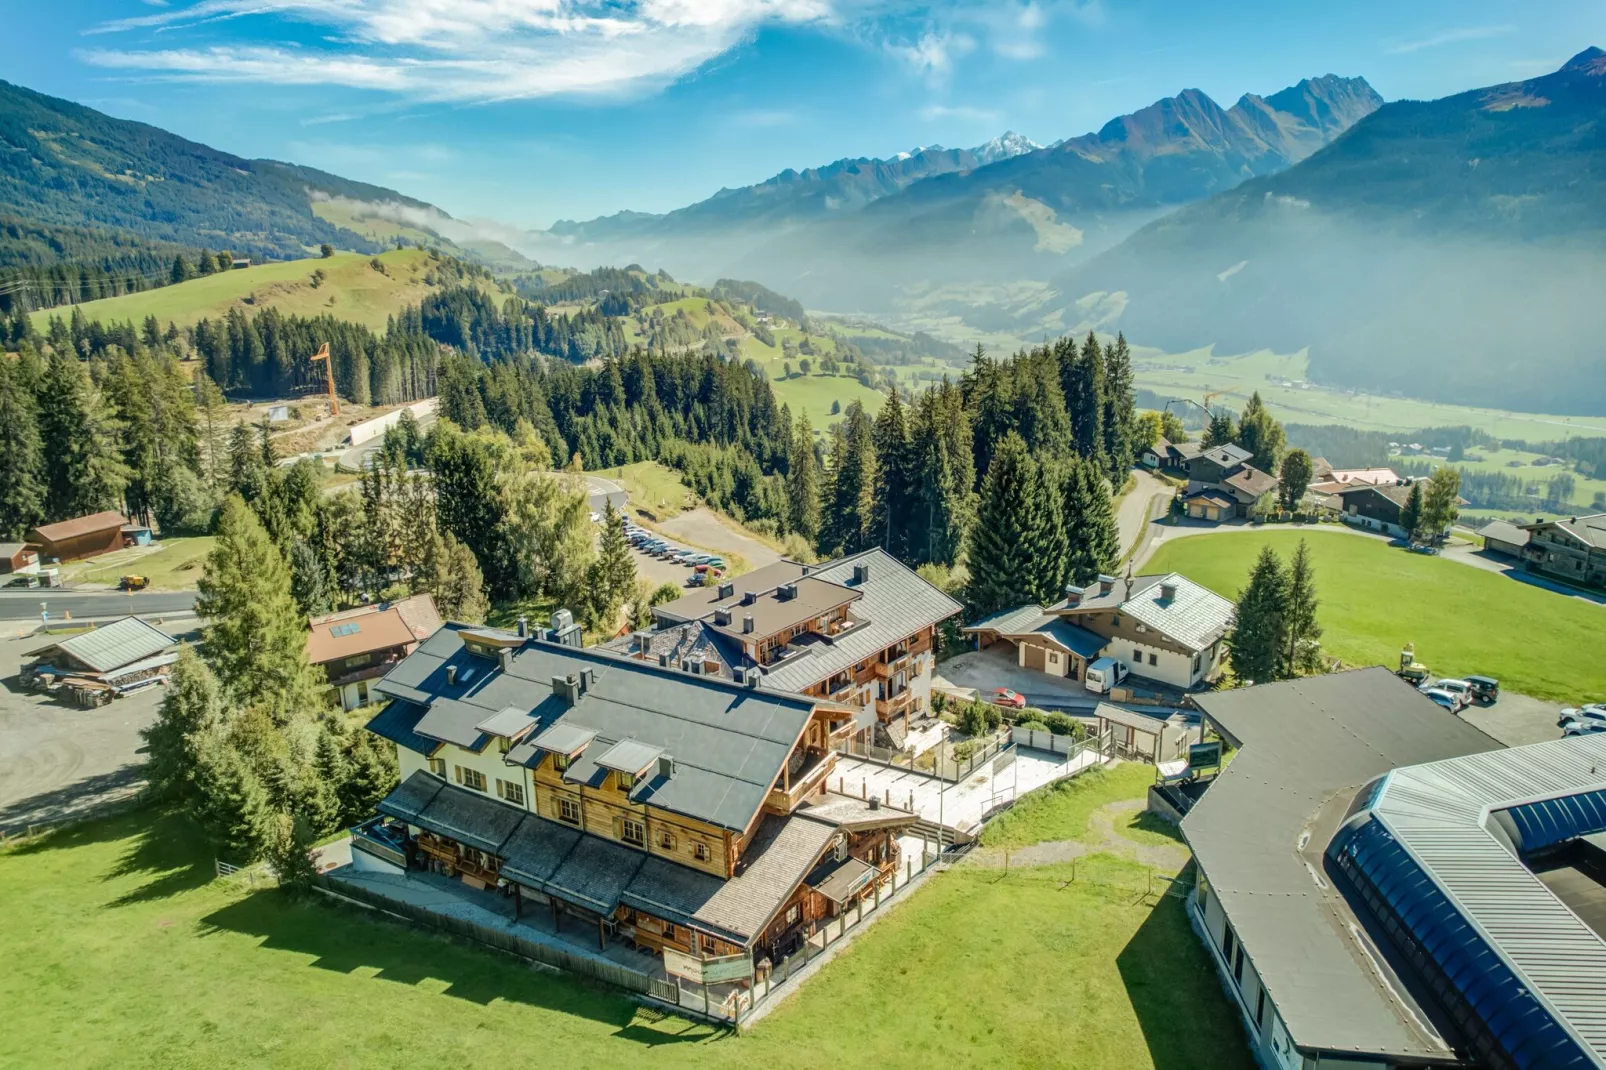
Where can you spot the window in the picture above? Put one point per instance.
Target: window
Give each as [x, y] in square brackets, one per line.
[560, 762]
[626, 781]
[471, 778]
[1226, 942]
[357, 661]
[1154, 659]
[633, 832]
[699, 851]
[1260, 1009]
[1137, 656]
[569, 810]
[438, 767]
[511, 791]
[1238, 966]
[794, 914]
[666, 840]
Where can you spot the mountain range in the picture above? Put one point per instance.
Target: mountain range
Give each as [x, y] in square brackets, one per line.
[1433, 250]
[857, 230]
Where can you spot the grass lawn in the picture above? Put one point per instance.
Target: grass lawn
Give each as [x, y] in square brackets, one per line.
[1060, 811]
[652, 486]
[352, 291]
[175, 567]
[125, 952]
[1375, 598]
[814, 394]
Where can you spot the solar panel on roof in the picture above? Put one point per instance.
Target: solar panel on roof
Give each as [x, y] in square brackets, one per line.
[348, 628]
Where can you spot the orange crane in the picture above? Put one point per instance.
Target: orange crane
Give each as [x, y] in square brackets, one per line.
[329, 376]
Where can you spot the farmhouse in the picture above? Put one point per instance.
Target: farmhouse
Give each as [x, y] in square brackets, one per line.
[1382, 885]
[357, 646]
[675, 812]
[1225, 474]
[84, 536]
[1166, 628]
[1571, 550]
[859, 631]
[1169, 456]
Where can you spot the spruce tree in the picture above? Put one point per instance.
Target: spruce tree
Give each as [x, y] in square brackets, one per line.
[1093, 542]
[372, 776]
[616, 569]
[845, 528]
[1303, 652]
[22, 485]
[892, 497]
[309, 581]
[1257, 647]
[803, 484]
[1082, 377]
[254, 635]
[1261, 435]
[1119, 414]
[1411, 511]
[322, 802]
[453, 578]
[83, 467]
[230, 803]
[1009, 527]
[191, 707]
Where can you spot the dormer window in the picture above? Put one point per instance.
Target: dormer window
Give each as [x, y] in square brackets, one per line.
[626, 781]
[561, 762]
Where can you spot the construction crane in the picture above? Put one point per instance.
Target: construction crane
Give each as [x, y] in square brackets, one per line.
[329, 376]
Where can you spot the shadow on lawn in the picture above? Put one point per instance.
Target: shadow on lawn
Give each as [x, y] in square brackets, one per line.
[1187, 1021]
[345, 940]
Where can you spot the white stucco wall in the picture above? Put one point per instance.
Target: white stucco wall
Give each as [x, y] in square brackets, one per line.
[489, 763]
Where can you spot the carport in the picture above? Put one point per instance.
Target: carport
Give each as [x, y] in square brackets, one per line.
[1043, 642]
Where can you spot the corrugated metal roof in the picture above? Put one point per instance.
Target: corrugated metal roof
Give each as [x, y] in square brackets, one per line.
[1440, 813]
[1007, 620]
[1193, 616]
[111, 646]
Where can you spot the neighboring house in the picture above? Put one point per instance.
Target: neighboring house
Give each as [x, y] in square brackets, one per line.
[1376, 508]
[682, 815]
[860, 630]
[357, 646]
[18, 558]
[1504, 538]
[1382, 885]
[100, 664]
[1572, 550]
[1166, 628]
[84, 536]
[1208, 505]
[1225, 474]
[1169, 456]
[1336, 481]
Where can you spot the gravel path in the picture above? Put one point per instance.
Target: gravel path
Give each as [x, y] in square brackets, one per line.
[1102, 839]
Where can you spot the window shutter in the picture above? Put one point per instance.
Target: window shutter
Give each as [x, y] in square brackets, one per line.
[459, 771]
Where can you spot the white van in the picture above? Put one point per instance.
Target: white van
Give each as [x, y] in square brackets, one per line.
[1104, 674]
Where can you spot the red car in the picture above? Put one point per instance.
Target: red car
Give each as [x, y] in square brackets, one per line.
[1005, 697]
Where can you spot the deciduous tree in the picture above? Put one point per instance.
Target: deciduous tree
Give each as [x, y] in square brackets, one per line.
[1294, 479]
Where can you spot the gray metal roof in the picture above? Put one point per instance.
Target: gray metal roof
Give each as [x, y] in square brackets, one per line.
[564, 738]
[728, 741]
[507, 722]
[1590, 530]
[1007, 621]
[1440, 813]
[895, 604]
[111, 646]
[1194, 617]
[1504, 531]
[628, 756]
[397, 722]
[1260, 829]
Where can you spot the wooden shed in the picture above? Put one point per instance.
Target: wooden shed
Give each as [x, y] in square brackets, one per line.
[84, 536]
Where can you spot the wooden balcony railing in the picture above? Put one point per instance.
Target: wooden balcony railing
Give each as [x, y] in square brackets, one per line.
[784, 801]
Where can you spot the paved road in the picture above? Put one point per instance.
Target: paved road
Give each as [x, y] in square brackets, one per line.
[90, 605]
[1146, 501]
[602, 491]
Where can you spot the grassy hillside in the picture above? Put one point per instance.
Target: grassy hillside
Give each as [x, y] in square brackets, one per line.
[351, 289]
[1375, 598]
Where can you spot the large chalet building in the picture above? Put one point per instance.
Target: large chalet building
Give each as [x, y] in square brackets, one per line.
[859, 632]
[671, 810]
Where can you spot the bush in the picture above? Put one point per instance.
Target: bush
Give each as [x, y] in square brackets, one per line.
[979, 718]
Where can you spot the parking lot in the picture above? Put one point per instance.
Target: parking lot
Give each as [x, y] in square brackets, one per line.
[57, 761]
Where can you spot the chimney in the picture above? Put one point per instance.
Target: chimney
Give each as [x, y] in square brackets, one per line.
[861, 573]
[875, 802]
[566, 688]
[505, 656]
[722, 617]
[749, 597]
[588, 678]
[753, 676]
[1168, 591]
[1106, 583]
[1073, 594]
[524, 626]
[726, 590]
[786, 592]
[451, 674]
[747, 623]
[666, 766]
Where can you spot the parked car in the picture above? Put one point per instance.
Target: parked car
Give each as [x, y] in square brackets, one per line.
[1104, 674]
[1459, 688]
[1448, 699]
[1003, 696]
[1485, 689]
[1584, 728]
[1582, 715]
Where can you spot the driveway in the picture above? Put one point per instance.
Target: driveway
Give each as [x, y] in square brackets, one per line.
[1146, 501]
[984, 670]
[1516, 719]
[59, 762]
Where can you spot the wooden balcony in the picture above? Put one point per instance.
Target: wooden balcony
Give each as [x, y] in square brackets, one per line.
[897, 704]
[809, 779]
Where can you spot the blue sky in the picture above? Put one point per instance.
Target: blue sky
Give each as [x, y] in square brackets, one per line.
[526, 111]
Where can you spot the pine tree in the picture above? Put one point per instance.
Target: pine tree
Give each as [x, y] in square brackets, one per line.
[1119, 413]
[1259, 639]
[1093, 542]
[22, 485]
[254, 635]
[846, 526]
[453, 577]
[1303, 652]
[83, 467]
[803, 484]
[1261, 435]
[1411, 511]
[1294, 479]
[191, 708]
[1220, 430]
[892, 497]
[616, 569]
[1010, 521]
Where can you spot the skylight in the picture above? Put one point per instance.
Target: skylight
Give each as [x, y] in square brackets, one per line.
[349, 628]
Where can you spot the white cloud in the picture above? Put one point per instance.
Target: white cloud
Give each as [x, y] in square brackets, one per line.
[465, 50]
[1448, 37]
[935, 112]
[934, 53]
